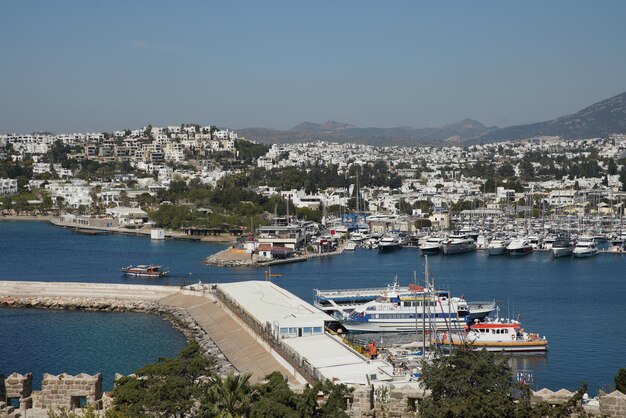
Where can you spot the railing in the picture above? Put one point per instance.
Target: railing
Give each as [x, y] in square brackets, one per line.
[300, 364]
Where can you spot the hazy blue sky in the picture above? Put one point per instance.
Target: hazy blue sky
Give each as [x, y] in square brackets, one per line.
[69, 66]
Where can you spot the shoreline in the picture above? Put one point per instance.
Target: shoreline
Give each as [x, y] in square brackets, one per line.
[179, 318]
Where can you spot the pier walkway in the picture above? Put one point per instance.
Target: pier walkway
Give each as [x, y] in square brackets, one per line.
[235, 342]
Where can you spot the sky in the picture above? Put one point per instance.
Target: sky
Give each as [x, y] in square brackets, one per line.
[95, 66]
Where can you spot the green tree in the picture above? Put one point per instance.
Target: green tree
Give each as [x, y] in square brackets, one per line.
[166, 388]
[228, 397]
[620, 380]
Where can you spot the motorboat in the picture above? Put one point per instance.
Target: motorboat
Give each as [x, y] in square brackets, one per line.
[562, 246]
[519, 246]
[389, 243]
[350, 246]
[585, 249]
[458, 244]
[497, 247]
[496, 335]
[433, 245]
[142, 270]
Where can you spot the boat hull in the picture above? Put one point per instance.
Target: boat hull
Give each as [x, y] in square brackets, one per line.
[431, 250]
[459, 249]
[496, 250]
[356, 327]
[507, 347]
[561, 252]
[389, 248]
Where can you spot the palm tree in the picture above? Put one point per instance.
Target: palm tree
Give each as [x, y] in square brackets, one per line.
[228, 397]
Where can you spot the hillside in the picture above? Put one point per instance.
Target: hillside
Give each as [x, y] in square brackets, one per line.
[598, 120]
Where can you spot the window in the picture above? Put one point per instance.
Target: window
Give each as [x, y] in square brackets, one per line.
[307, 331]
[317, 330]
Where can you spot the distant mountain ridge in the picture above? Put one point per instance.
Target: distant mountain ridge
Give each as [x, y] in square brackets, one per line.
[598, 120]
[343, 133]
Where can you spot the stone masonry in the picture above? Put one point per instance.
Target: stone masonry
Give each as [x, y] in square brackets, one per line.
[19, 386]
[613, 404]
[65, 390]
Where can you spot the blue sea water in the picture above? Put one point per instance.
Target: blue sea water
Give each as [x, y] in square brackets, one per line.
[579, 304]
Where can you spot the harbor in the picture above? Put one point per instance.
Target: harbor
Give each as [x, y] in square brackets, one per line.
[544, 293]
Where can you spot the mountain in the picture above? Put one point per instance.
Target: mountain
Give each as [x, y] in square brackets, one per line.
[598, 120]
[343, 133]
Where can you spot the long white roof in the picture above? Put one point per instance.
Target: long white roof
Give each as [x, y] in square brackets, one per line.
[268, 302]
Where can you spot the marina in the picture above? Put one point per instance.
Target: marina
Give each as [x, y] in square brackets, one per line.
[543, 292]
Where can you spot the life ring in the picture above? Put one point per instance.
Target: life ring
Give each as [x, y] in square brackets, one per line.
[362, 315]
[444, 336]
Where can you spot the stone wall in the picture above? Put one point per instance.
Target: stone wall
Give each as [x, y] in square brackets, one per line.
[65, 390]
[613, 404]
[19, 386]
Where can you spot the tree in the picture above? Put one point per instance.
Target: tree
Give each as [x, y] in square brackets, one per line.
[165, 388]
[228, 397]
[620, 380]
[479, 384]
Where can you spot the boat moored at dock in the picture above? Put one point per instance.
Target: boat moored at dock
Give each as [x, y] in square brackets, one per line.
[458, 244]
[496, 335]
[585, 249]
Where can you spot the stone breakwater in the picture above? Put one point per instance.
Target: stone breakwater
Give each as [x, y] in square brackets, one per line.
[178, 317]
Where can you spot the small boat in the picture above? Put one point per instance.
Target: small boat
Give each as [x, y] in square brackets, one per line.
[496, 335]
[497, 247]
[519, 246]
[562, 246]
[585, 249]
[143, 270]
[350, 246]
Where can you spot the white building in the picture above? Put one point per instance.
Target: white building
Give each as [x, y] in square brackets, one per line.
[8, 186]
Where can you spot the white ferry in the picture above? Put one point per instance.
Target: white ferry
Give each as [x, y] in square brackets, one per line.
[341, 303]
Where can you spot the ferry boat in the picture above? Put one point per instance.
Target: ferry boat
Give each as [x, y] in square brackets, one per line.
[341, 303]
[585, 249]
[496, 335]
[409, 313]
[458, 244]
[143, 270]
[519, 246]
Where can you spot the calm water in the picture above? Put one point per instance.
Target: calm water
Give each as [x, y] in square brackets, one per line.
[579, 304]
[48, 341]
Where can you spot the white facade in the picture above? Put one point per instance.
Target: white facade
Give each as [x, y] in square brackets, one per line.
[8, 186]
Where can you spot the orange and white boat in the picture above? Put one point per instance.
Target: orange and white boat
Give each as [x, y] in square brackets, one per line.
[496, 335]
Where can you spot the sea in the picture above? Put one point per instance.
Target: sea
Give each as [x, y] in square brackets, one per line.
[578, 304]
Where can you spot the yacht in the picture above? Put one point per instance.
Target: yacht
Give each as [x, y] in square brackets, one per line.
[497, 247]
[519, 246]
[459, 243]
[433, 245]
[585, 249]
[388, 244]
[562, 246]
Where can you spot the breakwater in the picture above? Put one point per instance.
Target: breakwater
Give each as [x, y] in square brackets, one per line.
[178, 317]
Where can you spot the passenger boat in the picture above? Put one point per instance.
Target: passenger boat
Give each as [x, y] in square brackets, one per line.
[519, 246]
[496, 335]
[562, 246]
[407, 313]
[433, 245]
[142, 270]
[388, 244]
[585, 249]
[458, 244]
[497, 247]
[341, 303]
